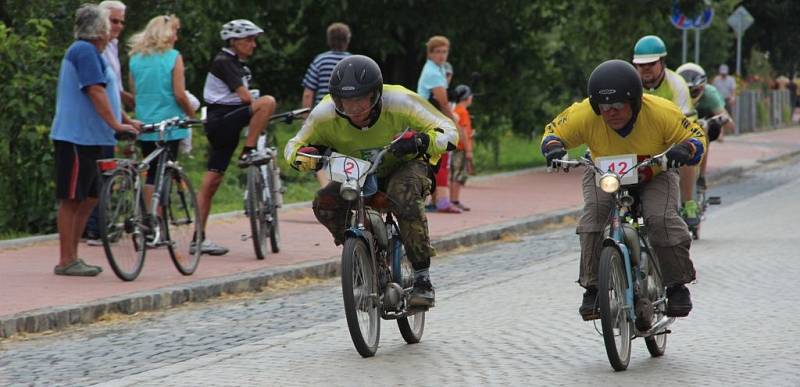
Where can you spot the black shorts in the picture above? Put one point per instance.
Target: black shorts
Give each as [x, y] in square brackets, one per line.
[148, 147]
[77, 177]
[223, 128]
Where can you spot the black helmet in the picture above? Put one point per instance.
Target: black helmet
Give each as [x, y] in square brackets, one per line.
[615, 81]
[461, 93]
[356, 76]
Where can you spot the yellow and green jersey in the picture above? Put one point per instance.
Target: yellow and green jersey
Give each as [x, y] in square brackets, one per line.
[401, 109]
[673, 88]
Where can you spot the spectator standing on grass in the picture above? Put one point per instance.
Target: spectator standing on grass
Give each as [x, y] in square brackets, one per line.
[88, 112]
[432, 86]
[315, 83]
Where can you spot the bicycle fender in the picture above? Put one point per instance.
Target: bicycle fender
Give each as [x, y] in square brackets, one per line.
[623, 250]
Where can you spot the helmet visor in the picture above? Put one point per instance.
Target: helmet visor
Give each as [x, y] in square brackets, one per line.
[356, 106]
[697, 91]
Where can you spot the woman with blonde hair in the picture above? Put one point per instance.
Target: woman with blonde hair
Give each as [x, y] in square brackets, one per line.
[158, 84]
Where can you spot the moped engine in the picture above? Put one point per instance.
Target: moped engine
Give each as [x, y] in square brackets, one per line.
[392, 296]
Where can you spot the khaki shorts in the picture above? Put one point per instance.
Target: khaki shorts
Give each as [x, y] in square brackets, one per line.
[458, 166]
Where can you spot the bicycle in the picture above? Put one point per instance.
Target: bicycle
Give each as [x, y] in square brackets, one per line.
[631, 293]
[377, 276]
[700, 187]
[129, 227]
[263, 179]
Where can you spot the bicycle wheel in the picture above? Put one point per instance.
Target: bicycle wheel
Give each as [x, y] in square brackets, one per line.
[656, 344]
[411, 327]
[611, 285]
[256, 210]
[360, 293]
[182, 221]
[120, 215]
[274, 227]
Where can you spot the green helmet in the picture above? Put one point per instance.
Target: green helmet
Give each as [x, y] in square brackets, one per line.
[649, 49]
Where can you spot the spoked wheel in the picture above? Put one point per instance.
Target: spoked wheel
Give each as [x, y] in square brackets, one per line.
[256, 211]
[274, 227]
[182, 226]
[360, 293]
[611, 286]
[657, 343]
[121, 225]
[411, 327]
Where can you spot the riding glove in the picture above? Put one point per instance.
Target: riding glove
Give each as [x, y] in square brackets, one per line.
[410, 143]
[554, 152]
[679, 155]
[305, 163]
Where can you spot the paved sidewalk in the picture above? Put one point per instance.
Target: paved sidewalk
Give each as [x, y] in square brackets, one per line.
[36, 300]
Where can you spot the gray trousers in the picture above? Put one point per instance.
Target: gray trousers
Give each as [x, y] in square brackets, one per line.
[667, 231]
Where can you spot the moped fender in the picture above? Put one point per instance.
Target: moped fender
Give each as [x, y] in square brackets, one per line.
[364, 235]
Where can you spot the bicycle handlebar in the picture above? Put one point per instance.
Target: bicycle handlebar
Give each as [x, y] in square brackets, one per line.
[289, 116]
[567, 163]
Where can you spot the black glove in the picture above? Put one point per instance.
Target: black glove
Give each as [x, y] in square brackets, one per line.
[554, 152]
[410, 143]
[679, 155]
[713, 129]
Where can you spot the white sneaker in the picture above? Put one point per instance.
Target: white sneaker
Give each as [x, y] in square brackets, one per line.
[210, 248]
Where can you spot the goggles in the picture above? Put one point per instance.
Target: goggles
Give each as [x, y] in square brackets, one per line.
[604, 107]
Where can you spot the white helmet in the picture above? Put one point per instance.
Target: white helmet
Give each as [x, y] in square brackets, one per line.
[239, 28]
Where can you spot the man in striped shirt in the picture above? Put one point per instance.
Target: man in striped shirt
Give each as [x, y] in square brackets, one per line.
[318, 75]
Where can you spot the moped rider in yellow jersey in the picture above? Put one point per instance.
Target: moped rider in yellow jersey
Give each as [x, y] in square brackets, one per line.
[618, 119]
[657, 79]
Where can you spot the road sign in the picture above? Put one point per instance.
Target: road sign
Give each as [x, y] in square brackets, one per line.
[740, 20]
[683, 22]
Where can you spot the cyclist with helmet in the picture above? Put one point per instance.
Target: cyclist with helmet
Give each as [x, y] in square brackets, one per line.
[657, 79]
[359, 116]
[708, 103]
[231, 107]
[616, 119]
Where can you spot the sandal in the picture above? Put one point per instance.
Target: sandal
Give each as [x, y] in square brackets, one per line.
[78, 268]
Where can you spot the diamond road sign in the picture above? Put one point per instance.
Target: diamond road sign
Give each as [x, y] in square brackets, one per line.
[740, 20]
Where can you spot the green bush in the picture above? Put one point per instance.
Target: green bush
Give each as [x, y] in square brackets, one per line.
[30, 71]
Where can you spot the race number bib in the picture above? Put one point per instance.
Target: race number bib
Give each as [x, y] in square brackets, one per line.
[343, 168]
[618, 164]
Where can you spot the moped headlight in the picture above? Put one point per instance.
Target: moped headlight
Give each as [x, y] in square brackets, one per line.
[609, 183]
[349, 190]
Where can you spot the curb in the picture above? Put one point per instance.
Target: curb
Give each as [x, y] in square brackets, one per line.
[61, 317]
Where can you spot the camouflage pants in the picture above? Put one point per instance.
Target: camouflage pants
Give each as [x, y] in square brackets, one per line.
[406, 188]
[668, 234]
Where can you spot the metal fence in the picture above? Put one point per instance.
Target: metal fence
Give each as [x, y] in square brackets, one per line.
[750, 118]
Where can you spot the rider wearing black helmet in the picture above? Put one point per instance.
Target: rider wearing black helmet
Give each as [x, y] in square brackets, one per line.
[618, 119]
[360, 115]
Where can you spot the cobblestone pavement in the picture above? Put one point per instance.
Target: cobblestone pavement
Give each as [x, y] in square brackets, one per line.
[506, 314]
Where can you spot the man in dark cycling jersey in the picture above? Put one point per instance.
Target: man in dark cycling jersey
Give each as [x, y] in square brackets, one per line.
[359, 116]
[231, 107]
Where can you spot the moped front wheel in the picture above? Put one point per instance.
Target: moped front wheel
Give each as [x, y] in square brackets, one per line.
[611, 286]
[360, 294]
[656, 344]
[412, 326]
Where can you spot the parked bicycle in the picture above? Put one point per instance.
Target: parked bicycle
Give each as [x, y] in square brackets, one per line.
[631, 294]
[377, 276]
[129, 226]
[264, 192]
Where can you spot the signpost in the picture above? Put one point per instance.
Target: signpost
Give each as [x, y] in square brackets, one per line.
[740, 20]
[685, 23]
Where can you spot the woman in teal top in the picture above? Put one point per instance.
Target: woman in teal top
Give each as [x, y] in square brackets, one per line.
[158, 84]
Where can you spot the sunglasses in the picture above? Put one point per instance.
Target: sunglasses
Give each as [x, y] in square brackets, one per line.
[604, 107]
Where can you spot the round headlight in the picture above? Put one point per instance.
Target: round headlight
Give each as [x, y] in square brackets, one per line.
[609, 183]
[349, 190]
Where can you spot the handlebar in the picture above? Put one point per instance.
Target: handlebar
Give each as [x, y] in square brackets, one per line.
[289, 116]
[566, 163]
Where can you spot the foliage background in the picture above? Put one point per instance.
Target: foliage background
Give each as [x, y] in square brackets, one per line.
[526, 60]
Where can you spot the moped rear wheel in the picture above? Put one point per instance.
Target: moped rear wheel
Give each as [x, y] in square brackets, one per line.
[411, 327]
[656, 344]
[360, 294]
[611, 286]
